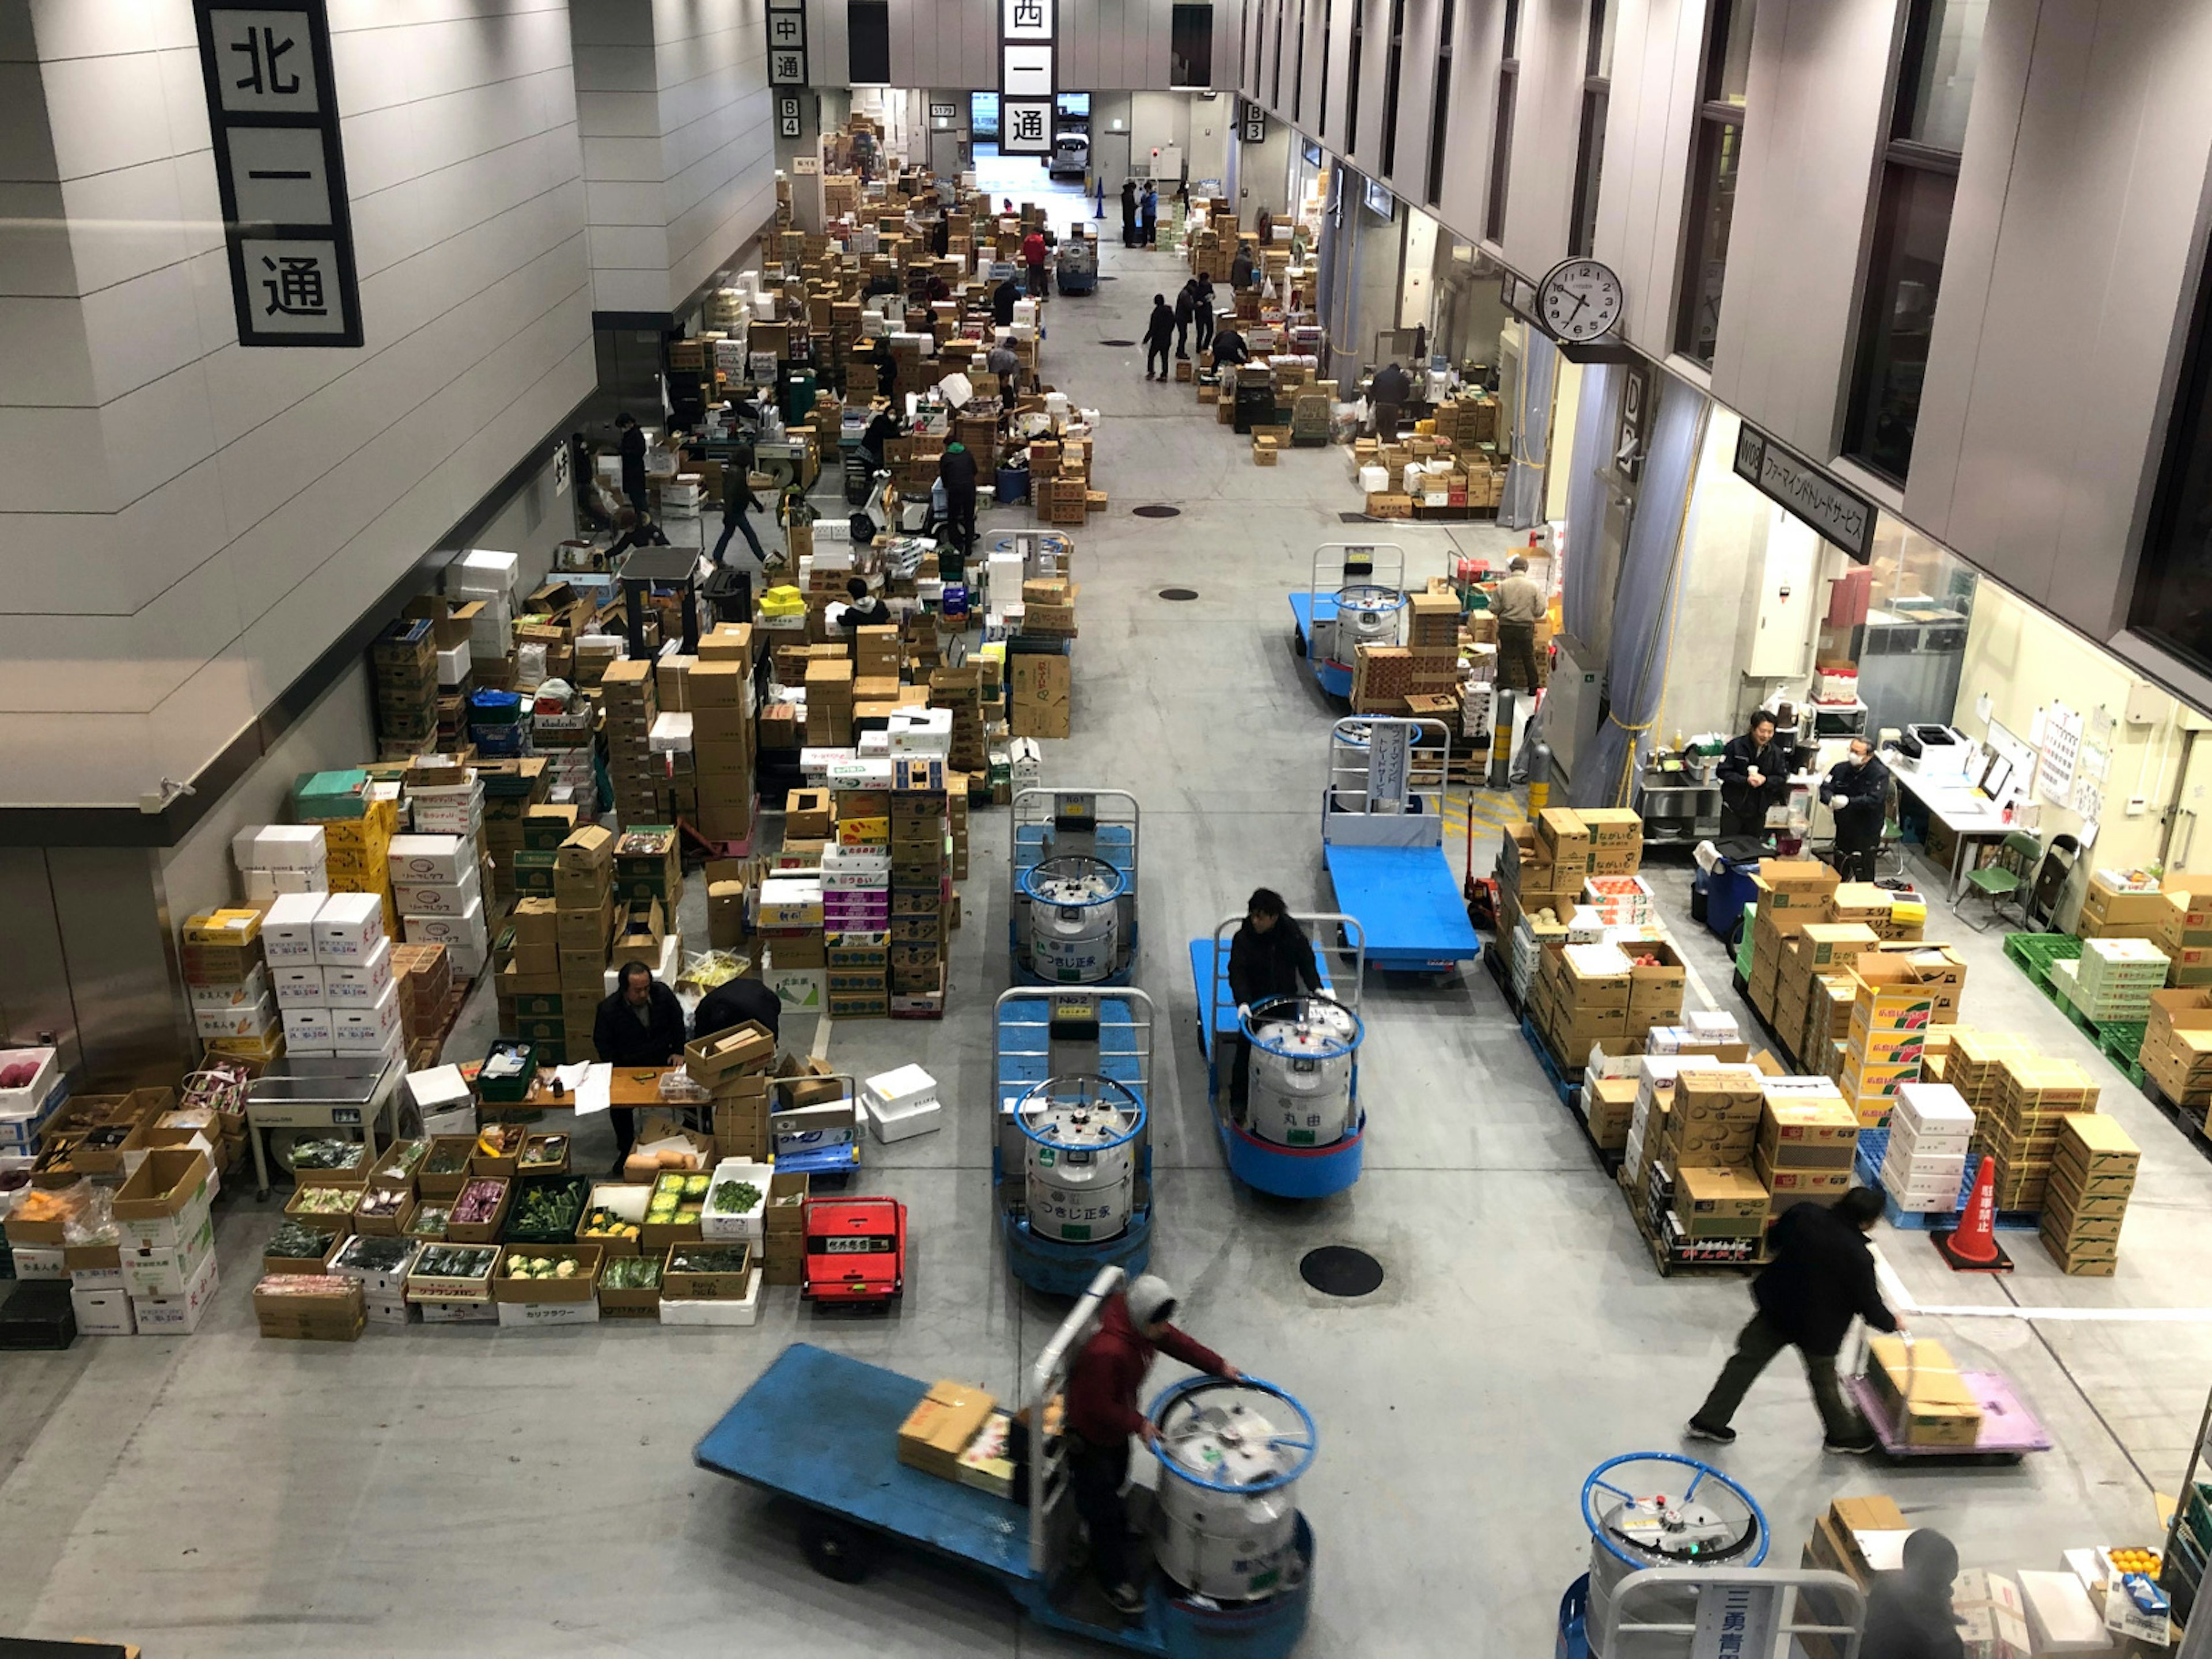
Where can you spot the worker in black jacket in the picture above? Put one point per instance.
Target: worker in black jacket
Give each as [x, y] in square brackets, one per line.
[1002, 298]
[1230, 349]
[631, 445]
[1857, 791]
[884, 426]
[1908, 1612]
[1159, 335]
[1755, 774]
[1269, 956]
[739, 499]
[734, 1002]
[1186, 313]
[956, 470]
[1821, 1278]
[640, 1024]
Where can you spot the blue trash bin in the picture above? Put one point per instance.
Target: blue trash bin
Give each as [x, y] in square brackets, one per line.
[1013, 483]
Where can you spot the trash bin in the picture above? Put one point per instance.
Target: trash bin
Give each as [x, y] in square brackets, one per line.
[1013, 483]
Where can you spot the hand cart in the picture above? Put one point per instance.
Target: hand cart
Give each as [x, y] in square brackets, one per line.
[821, 1431]
[1353, 580]
[1382, 840]
[2009, 1430]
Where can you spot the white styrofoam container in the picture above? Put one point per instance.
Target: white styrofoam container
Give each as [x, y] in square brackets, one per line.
[905, 1120]
[752, 1225]
[900, 1086]
[689, 1311]
[29, 1099]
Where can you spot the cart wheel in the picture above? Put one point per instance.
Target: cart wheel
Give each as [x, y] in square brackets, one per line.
[1297, 642]
[835, 1549]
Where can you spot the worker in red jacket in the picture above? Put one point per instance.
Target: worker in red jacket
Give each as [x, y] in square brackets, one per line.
[1102, 1413]
[1033, 257]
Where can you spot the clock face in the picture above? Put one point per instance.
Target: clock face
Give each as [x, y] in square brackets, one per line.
[1580, 300]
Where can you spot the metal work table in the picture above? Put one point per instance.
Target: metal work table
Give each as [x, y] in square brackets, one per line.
[1953, 802]
[335, 1092]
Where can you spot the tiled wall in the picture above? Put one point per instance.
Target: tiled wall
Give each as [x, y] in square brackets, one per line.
[185, 526]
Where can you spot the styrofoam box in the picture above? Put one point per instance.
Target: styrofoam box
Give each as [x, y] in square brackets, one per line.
[242, 994]
[307, 1025]
[904, 1121]
[177, 1316]
[347, 927]
[440, 1088]
[437, 899]
[297, 986]
[290, 846]
[30, 1098]
[287, 931]
[899, 1087]
[37, 1261]
[103, 1313]
[439, 860]
[671, 734]
[453, 664]
[362, 1027]
[753, 1224]
[687, 1311]
[542, 1315]
[483, 570]
[1933, 1105]
[365, 981]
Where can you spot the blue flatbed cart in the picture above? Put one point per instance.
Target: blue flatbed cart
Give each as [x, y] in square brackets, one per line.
[1286, 1171]
[1382, 841]
[1356, 596]
[821, 1431]
[1072, 886]
[1041, 1034]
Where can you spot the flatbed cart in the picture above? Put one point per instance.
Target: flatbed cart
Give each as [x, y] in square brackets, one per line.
[821, 1431]
[1356, 594]
[1382, 841]
[1052, 1200]
[1072, 886]
[1258, 1162]
[2007, 1432]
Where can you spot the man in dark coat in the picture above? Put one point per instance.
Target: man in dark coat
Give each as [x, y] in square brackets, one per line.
[1268, 956]
[1128, 213]
[1229, 348]
[632, 448]
[1003, 298]
[737, 500]
[885, 426]
[1908, 1613]
[1755, 774]
[1185, 310]
[641, 1025]
[1857, 791]
[1201, 305]
[1822, 1278]
[956, 470]
[1159, 335]
[735, 1002]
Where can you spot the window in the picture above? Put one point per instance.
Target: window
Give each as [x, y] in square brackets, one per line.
[1396, 51]
[1912, 222]
[1501, 132]
[2173, 602]
[1717, 157]
[1298, 78]
[1190, 47]
[868, 42]
[1352, 76]
[1275, 81]
[1440, 116]
[1327, 7]
[1590, 150]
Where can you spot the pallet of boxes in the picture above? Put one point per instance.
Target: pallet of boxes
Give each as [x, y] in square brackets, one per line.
[1687, 1174]
[2176, 1056]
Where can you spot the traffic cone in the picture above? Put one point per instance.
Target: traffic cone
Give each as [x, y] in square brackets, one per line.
[1971, 1247]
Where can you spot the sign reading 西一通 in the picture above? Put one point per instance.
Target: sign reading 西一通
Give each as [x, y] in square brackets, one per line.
[280, 170]
[1028, 76]
[1837, 514]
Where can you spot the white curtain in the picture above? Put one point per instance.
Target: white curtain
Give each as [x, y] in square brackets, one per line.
[1522, 506]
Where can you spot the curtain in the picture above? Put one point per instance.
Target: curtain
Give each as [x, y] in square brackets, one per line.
[1643, 603]
[1522, 507]
[1580, 604]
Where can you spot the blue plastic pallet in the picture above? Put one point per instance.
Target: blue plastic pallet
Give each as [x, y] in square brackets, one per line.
[1874, 1147]
[1566, 1091]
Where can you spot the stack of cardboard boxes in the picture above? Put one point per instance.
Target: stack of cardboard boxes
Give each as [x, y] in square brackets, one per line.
[1043, 686]
[1817, 950]
[359, 818]
[1699, 1185]
[1792, 895]
[631, 698]
[1603, 993]
[1808, 1140]
[276, 859]
[165, 1223]
[551, 984]
[2112, 979]
[721, 687]
[1891, 1008]
[2176, 1049]
[960, 692]
[235, 1009]
[423, 976]
[859, 989]
[796, 910]
[1929, 1133]
[2092, 1176]
[2184, 938]
[830, 702]
[332, 962]
[404, 665]
[510, 789]
[922, 886]
[2021, 1127]
[2123, 904]
[1972, 1062]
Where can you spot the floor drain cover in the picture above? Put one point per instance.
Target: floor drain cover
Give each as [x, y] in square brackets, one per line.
[1178, 592]
[1339, 1270]
[1117, 343]
[1156, 510]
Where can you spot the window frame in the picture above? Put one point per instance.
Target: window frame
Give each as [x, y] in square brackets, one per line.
[1207, 8]
[1717, 118]
[1440, 105]
[853, 11]
[1393, 71]
[1501, 126]
[1589, 137]
[1353, 56]
[1327, 15]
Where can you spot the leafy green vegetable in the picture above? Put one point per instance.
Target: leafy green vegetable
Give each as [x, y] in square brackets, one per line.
[736, 1197]
[299, 1244]
[632, 1272]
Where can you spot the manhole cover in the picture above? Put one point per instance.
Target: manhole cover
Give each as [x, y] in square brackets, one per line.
[1117, 343]
[1178, 592]
[1156, 510]
[1339, 1270]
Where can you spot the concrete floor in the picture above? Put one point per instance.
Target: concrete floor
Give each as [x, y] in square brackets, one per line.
[430, 1491]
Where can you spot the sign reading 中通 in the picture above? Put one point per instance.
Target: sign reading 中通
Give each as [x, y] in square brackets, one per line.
[787, 57]
[1028, 76]
[272, 112]
[1840, 515]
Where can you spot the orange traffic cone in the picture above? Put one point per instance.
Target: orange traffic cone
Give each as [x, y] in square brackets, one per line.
[1971, 1247]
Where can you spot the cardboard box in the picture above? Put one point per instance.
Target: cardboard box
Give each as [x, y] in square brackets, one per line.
[723, 1055]
[942, 1426]
[1719, 1202]
[1922, 1394]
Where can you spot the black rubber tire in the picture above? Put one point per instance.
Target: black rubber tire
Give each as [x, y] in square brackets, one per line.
[1298, 642]
[836, 1549]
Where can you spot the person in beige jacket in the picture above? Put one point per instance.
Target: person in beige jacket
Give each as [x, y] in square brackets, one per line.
[1520, 608]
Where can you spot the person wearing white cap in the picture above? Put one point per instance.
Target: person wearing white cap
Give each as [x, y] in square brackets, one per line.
[1102, 1413]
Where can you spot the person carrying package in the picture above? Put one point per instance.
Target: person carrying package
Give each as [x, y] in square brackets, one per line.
[1103, 1414]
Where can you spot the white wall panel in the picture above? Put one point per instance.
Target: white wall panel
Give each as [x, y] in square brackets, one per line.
[1547, 133]
[1652, 109]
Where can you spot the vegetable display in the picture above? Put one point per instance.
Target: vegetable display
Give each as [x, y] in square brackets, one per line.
[500, 1140]
[380, 1203]
[324, 1200]
[708, 1259]
[455, 1261]
[735, 1197]
[449, 1159]
[369, 1254]
[295, 1242]
[429, 1221]
[405, 1155]
[542, 1267]
[676, 1199]
[631, 1272]
[479, 1202]
[550, 1209]
[548, 1152]
[328, 1154]
[603, 1223]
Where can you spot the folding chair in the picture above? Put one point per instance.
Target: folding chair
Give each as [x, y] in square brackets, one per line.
[2003, 879]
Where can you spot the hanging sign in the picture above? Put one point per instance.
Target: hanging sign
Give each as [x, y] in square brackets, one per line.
[787, 50]
[1028, 76]
[1628, 436]
[789, 124]
[280, 170]
[1836, 513]
[944, 111]
[1255, 124]
[1389, 765]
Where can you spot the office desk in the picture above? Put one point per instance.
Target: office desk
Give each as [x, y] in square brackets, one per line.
[1953, 802]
